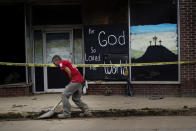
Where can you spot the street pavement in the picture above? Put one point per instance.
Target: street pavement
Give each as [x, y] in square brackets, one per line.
[161, 123]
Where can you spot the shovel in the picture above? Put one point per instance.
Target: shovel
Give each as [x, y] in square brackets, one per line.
[50, 113]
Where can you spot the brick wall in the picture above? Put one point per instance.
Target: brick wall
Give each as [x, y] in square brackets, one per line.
[188, 46]
[100, 89]
[143, 90]
[15, 91]
[154, 90]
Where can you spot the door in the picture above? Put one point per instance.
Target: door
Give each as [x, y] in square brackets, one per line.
[56, 43]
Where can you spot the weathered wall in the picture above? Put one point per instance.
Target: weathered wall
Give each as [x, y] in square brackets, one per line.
[188, 46]
[15, 91]
[97, 12]
[143, 90]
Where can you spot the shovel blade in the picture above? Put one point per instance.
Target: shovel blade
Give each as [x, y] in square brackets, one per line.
[46, 115]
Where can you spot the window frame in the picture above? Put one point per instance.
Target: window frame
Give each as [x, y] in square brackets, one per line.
[178, 40]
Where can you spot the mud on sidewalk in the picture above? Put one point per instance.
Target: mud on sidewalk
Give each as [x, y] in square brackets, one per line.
[107, 113]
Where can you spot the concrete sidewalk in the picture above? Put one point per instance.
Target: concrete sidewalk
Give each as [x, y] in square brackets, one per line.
[97, 103]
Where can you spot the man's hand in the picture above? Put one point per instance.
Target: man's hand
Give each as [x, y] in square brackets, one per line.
[68, 71]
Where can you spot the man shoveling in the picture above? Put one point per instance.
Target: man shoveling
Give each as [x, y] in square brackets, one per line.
[74, 88]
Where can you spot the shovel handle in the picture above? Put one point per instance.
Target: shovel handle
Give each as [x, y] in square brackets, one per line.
[56, 105]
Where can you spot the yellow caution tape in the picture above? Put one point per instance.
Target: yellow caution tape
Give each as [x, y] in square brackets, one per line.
[98, 65]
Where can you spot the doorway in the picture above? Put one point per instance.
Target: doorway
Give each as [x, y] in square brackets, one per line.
[56, 30]
[56, 43]
[47, 43]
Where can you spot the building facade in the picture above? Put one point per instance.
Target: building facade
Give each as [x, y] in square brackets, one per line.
[100, 32]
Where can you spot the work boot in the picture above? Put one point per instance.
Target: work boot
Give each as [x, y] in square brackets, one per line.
[86, 114]
[63, 116]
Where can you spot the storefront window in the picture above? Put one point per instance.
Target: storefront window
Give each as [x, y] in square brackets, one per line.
[106, 39]
[12, 43]
[78, 46]
[58, 43]
[153, 37]
[38, 47]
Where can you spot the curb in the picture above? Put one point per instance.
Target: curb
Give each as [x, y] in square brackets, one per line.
[107, 113]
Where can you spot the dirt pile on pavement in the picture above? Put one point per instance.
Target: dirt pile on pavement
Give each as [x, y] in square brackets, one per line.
[107, 113]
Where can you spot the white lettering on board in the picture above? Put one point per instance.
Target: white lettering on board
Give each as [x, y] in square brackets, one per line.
[102, 43]
[92, 57]
[91, 31]
[93, 50]
[115, 70]
[111, 39]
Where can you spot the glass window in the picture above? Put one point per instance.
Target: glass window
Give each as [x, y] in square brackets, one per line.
[78, 46]
[153, 35]
[38, 47]
[58, 44]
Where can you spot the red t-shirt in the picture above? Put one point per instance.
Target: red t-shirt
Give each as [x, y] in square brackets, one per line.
[76, 75]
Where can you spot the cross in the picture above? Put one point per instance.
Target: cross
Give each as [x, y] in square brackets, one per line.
[155, 40]
[150, 42]
[160, 42]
